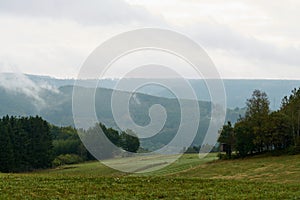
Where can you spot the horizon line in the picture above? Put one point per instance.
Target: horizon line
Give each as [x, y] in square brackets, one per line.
[188, 78]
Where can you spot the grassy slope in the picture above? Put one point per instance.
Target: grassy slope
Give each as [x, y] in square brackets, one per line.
[281, 169]
[188, 161]
[187, 178]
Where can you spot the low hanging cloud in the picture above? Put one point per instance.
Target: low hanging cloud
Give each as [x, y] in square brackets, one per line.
[20, 83]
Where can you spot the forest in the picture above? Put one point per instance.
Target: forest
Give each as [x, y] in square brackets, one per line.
[30, 143]
[262, 130]
[25, 144]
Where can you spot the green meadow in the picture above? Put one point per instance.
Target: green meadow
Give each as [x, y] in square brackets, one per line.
[189, 177]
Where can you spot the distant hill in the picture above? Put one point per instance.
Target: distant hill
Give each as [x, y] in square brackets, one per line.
[52, 99]
[237, 90]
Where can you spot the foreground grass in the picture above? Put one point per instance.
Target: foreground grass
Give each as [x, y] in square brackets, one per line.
[84, 187]
[187, 178]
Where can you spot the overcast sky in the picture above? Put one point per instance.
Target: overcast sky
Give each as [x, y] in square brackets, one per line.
[245, 39]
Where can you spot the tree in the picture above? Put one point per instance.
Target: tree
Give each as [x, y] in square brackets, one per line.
[25, 144]
[227, 137]
[279, 131]
[6, 150]
[257, 105]
[100, 144]
[111, 134]
[257, 114]
[129, 141]
[244, 138]
[290, 106]
[261, 130]
[66, 141]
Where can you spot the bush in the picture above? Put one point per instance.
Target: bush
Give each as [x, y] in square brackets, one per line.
[66, 159]
[293, 150]
[223, 156]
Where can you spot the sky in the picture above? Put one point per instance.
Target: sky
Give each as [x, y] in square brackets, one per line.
[244, 39]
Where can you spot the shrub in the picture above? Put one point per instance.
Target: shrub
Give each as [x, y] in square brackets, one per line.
[66, 159]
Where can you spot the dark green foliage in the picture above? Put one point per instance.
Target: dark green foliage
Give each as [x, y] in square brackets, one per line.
[257, 105]
[257, 118]
[111, 134]
[68, 141]
[25, 144]
[129, 142]
[6, 150]
[279, 134]
[261, 131]
[244, 138]
[98, 144]
[291, 108]
[227, 138]
[109, 144]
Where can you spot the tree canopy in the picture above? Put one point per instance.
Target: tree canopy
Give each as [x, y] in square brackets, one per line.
[262, 130]
[25, 144]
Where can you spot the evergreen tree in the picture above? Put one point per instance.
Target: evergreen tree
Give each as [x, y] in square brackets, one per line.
[25, 144]
[6, 150]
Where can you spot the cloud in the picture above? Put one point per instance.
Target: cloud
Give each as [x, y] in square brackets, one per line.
[19, 83]
[16, 82]
[104, 12]
[255, 33]
[54, 37]
[218, 36]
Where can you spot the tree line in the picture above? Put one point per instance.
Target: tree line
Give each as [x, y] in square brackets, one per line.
[69, 149]
[25, 144]
[29, 143]
[261, 130]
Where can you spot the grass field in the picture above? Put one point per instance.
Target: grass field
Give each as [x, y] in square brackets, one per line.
[187, 178]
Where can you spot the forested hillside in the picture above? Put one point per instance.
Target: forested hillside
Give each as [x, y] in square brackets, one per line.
[51, 99]
[56, 108]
